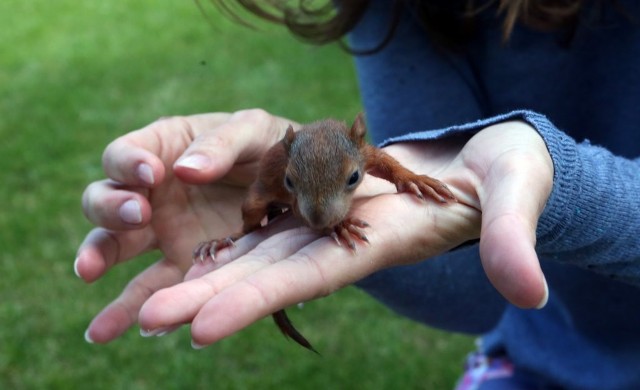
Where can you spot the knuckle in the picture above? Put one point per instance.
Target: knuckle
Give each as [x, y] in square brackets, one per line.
[258, 122]
[93, 203]
[258, 293]
[176, 123]
[101, 202]
[168, 120]
[87, 205]
[211, 141]
[254, 115]
[111, 151]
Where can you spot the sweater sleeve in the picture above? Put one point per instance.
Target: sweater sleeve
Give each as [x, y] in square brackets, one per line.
[592, 217]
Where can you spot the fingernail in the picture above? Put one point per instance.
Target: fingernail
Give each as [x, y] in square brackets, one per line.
[167, 331]
[195, 161]
[195, 345]
[75, 267]
[545, 298]
[130, 212]
[147, 332]
[145, 173]
[87, 337]
[159, 332]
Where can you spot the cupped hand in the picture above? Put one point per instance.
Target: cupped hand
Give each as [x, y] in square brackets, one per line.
[502, 177]
[155, 198]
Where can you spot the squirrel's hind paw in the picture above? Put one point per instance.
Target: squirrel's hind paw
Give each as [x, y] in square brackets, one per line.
[208, 249]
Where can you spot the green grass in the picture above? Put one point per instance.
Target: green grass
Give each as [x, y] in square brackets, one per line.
[73, 76]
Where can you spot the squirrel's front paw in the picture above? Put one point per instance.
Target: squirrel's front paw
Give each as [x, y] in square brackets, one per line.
[424, 186]
[208, 249]
[349, 229]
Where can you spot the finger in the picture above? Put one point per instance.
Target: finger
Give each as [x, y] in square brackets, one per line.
[115, 206]
[296, 279]
[242, 139]
[322, 267]
[122, 313]
[180, 303]
[128, 160]
[511, 263]
[102, 249]
[511, 210]
[141, 157]
[243, 245]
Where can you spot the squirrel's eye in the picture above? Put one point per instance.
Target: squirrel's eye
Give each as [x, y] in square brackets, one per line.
[354, 178]
[288, 183]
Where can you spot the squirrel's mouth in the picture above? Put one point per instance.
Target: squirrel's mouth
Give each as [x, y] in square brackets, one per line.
[323, 221]
[321, 214]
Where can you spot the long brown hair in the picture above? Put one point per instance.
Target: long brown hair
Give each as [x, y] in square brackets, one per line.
[449, 22]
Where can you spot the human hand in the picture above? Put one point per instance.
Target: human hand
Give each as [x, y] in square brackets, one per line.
[155, 198]
[513, 175]
[502, 177]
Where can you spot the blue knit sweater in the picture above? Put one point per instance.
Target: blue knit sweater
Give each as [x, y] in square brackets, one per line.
[584, 100]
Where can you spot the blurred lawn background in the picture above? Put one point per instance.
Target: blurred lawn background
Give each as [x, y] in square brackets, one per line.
[75, 75]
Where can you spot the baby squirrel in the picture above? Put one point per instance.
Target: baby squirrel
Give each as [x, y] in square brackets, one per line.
[314, 173]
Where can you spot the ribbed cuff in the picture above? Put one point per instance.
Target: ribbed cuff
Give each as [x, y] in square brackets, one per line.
[562, 148]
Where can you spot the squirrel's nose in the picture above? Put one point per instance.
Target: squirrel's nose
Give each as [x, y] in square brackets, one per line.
[322, 213]
[317, 219]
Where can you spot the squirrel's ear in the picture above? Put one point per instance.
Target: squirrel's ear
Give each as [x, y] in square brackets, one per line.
[358, 130]
[289, 136]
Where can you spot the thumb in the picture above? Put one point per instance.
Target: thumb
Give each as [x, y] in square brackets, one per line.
[510, 261]
[237, 143]
[508, 236]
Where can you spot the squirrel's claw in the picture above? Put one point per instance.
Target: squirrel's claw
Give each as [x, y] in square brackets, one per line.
[349, 229]
[424, 186]
[208, 249]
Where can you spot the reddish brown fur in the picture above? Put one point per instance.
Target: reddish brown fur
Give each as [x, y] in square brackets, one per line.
[322, 185]
[268, 188]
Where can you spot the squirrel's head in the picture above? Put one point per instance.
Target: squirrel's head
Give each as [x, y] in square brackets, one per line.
[324, 169]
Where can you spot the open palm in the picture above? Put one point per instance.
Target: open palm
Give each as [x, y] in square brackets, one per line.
[502, 177]
[153, 201]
